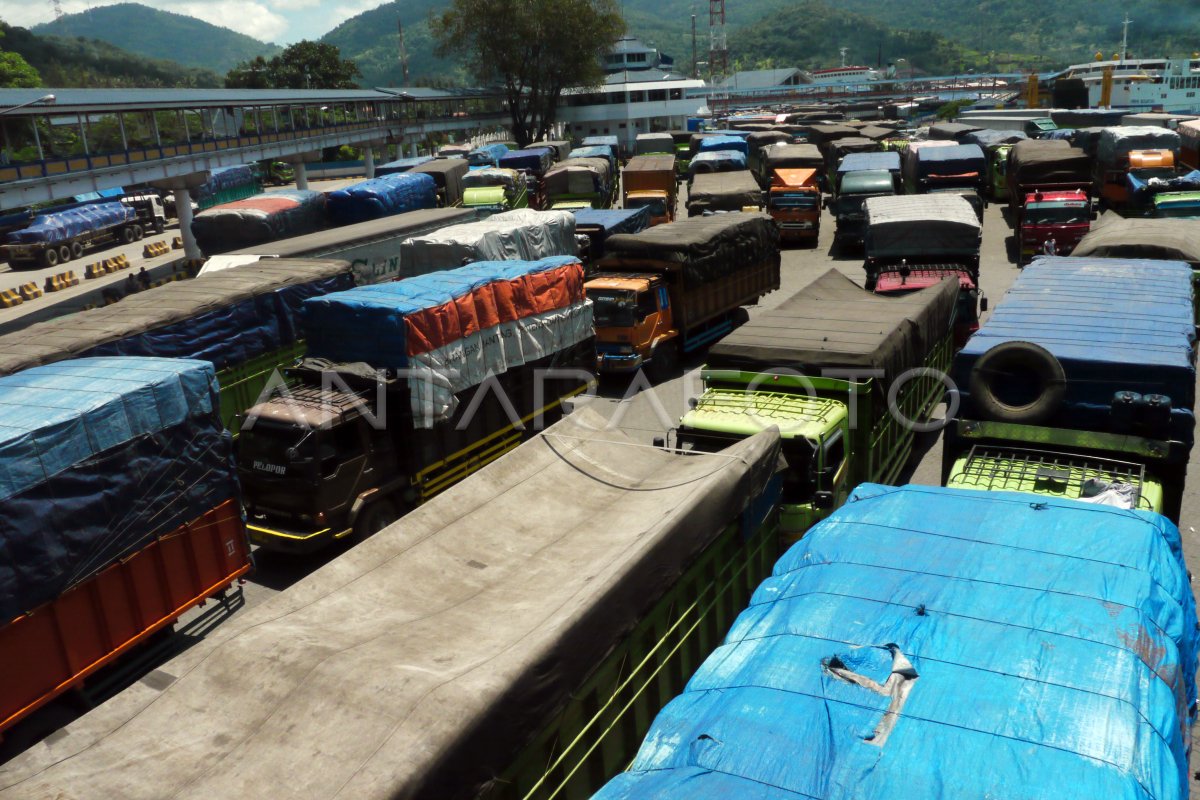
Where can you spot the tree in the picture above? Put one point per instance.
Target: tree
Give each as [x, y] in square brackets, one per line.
[15, 71]
[533, 48]
[304, 65]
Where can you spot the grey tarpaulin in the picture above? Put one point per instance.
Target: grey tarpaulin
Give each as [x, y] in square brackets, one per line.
[1113, 236]
[447, 173]
[1087, 139]
[577, 176]
[521, 234]
[723, 191]
[226, 318]
[704, 248]
[1047, 161]
[651, 143]
[833, 323]
[418, 664]
[1117, 143]
[925, 224]
[953, 131]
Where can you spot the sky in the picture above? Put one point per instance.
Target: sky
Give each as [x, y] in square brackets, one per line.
[279, 21]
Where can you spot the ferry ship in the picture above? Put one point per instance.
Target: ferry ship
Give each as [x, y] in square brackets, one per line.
[1143, 84]
[844, 74]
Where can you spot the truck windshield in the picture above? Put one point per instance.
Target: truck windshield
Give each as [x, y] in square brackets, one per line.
[276, 448]
[798, 479]
[1056, 215]
[613, 308]
[798, 201]
[1185, 211]
[658, 208]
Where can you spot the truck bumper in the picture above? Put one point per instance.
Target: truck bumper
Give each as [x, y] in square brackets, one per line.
[611, 362]
[298, 543]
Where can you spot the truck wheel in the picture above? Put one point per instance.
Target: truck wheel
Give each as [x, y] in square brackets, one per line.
[64, 253]
[159, 227]
[127, 235]
[664, 363]
[76, 250]
[138, 232]
[1018, 382]
[50, 256]
[372, 519]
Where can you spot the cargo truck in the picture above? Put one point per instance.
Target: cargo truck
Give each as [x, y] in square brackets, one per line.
[402, 394]
[683, 152]
[1120, 151]
[675, 288]
[654, 144]
[940, 169]
[849, 207]
[598, 151]
[125, 518]
[495, 189]
[723, 191]
[381, 197]
[579, 183]
[1146, 184]
[257, 220]
[617, 595]
[57, 237]
[1114, 236]
[859, 162]
[447, 174]
[242, 320]
[1057, 400]
[758, 141]
[794, 202]
[487, 155]
[226, 184]
[715, 161]
[1050, 186]
[401, 165]
[1057, 220]
[1177, 205]
[521, 234]
[925, 232]
[790, 156]
[905, 641]
[845, 375]
[532, 164]
[649, 182]
[909, 162]
[597, 225]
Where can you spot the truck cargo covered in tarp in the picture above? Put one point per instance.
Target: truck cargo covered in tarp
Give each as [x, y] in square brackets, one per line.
[420, 663]
[599, 224]
[401, 165]
[945, 644]
[382, 197]
[712, 161]
[98, 457]
[876, 132]
[57, 226]
[258, 219]
[535, 160]
[820, 134]
[792, 156]
[560, 148]
[961, 159]
[1114, 236]
[519, 234]
[1047, 161]
[1142, 190]
[950, 130]
[223, 179]
[597, 151]
[927, 224]
[1087, 139]
[1112, 324]
[1087, 117]
[840, 148]
[834, 323]
[447, 173]
[454, 328]
[704, 248]
[856, 162]
[1116, 144]
[601, 141]
[578, 176]
[760, 139]
[648, 144]
[716, 143]
[987, 137]
[487, 155]
[723, 191]
[226, 318]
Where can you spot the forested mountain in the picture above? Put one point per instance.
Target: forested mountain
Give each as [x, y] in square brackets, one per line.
[92, 63]
[158, 34]
[372, 40]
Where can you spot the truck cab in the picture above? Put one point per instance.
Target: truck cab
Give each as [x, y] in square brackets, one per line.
[1177, 205]
[971, 300]
[656, 200]
[1064, 217]
[794, 201]
[632, 313]
[998, 171]
[848, 205]
[1113, 179]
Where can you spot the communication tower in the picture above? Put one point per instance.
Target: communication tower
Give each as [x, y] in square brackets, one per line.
[718, 52]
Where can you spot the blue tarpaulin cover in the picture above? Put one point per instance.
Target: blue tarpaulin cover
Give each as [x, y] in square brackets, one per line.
[717, 161]
[610, 221]
[401, 165]
[224, 178]
[713, 143]
[596, 151]
[1143, 190]
[1036, 650]
[98, 456]
[856, 162]
[601, 141]
[58, 226]
[487, 155]
[1114, 325]
[381, 197]
[957, 160]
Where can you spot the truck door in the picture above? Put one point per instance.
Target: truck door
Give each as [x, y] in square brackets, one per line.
[831, 468]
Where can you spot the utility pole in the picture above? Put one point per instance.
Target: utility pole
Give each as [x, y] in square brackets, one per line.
[695, 67]
[1125, 37]
[403, 51]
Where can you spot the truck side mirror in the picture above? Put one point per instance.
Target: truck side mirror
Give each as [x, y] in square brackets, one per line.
[823, 501]
[983, 304]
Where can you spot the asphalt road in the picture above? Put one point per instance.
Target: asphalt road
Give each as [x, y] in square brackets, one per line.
[649, 414]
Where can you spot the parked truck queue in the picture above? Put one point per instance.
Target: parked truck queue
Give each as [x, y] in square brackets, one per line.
[401, 381]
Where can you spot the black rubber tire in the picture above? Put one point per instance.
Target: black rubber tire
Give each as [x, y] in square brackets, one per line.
[374, 518]
[665, 362]
[138, 233]
[50, 256]
[127, 235]
[159, 227]
[64, 254]
[740, 317]
[76, 250]
[1003, 360]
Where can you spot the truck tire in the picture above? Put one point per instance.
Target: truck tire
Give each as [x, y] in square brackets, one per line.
[50, 256]
[159, 227]
[64, 253]
[76, 250]
[1018, 382]
[374, 518]
[664, 363]
[127, 234]
[138, 232]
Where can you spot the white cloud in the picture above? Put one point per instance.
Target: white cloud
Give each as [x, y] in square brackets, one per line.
[252, 19]
[344, 11]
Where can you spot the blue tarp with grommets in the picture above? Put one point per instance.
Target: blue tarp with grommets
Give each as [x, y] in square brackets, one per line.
[57, 226]
[98, 457]
[1113, 324]
[717, 143]
[381, 197]
[945, 644]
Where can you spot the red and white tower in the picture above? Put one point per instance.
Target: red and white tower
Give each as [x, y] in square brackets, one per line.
[718, 53]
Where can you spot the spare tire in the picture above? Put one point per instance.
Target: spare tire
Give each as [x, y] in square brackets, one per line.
[1018, 382]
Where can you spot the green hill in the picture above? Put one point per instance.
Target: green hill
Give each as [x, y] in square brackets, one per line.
[158, 34]
[371, 40]
[90, 63]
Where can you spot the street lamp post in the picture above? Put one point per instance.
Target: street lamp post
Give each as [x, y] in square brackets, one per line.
[37, 138]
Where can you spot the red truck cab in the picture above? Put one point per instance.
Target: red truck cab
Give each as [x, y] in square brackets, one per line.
[1062, 216]
[971, 301]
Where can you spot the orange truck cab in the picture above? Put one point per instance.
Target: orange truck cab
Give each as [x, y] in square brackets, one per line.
[1062, 217]
[672, 289]
[1144, 164]
[649, 182]
[794, 201]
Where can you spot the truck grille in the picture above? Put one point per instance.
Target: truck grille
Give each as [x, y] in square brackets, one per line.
[1012, 469]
